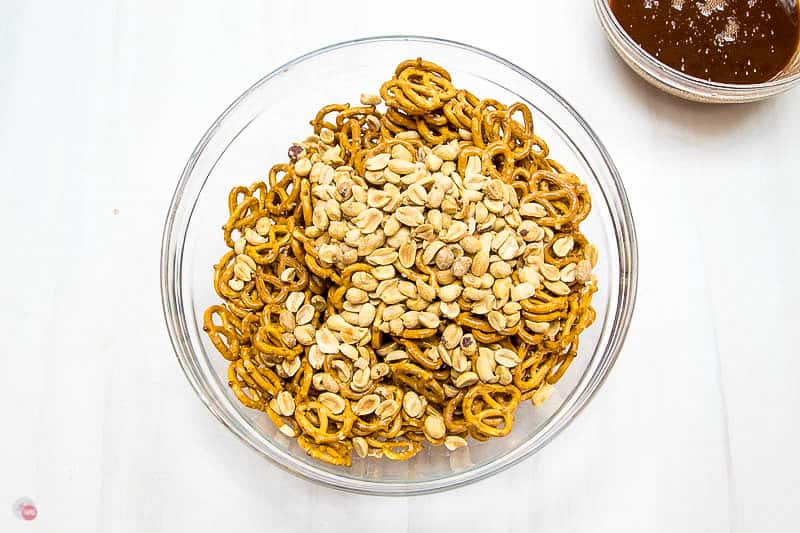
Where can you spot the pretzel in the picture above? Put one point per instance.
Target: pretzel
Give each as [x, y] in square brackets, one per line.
[418, 379]
[532, 371]
[319, 423]
[397, 450]
[489, 157]
[223, 336]
[495, 417]
[418, 356]
[390, 428]
[434, 134]
[319, 122]
[244, 388]
[335, 453]
[460, 109]
[453, 416]
[418, 87]
[352, 397]
[263, 377]
[566, 203]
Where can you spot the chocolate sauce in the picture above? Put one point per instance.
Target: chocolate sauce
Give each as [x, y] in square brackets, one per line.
[729, 41]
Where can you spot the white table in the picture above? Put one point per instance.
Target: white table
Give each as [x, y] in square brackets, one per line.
[101, 104]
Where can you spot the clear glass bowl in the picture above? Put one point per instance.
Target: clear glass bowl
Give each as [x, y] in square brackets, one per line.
[688, 87]
[254, 133]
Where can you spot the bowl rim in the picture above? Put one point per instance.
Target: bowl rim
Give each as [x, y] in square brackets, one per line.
[677, 80]
[625, 234]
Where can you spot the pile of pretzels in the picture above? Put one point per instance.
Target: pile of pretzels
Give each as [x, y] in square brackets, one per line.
[411, 274]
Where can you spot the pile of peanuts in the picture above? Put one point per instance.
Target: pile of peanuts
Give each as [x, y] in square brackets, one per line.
[382, 289]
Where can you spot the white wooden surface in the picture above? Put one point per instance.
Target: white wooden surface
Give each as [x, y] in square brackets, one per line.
[101, 104]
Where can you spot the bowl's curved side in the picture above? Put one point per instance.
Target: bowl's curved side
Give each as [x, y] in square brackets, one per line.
[176, 300]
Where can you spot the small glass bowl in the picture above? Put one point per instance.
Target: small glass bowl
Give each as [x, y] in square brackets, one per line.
[255, 132]
[682, 85]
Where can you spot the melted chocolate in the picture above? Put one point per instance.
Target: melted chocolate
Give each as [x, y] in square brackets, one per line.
[730, 41]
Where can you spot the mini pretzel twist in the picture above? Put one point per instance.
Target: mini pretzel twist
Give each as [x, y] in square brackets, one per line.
[419, 87]
[489, 409]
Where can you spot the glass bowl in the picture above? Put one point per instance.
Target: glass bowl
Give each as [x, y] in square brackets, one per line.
[254, 133]
[688, 87]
